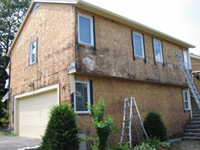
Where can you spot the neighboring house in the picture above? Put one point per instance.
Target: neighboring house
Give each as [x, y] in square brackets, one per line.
[195, 63]
[108, 57]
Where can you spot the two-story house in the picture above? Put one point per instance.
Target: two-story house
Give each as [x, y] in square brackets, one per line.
[72, 51]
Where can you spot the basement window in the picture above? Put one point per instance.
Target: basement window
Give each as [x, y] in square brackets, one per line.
[186, 99]
[138, 44]
[158, 52]
[81, 96]
[33, 52]
[85, 29]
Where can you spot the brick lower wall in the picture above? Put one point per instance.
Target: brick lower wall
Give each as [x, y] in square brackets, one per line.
[165, 99]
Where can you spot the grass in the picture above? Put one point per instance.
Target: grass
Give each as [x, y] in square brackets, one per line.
[6, 133]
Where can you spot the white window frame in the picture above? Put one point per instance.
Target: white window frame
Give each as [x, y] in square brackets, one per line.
[142, 44]
[88, 97]
[188, 58]
[161, 50]
[184, 100]
[31, 51]
[91, 29]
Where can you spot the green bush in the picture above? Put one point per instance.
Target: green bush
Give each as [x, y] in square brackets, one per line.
[155, 126]
[144, 146]
[153, 142]
[102, 129]
[61, 132]
[5, 120]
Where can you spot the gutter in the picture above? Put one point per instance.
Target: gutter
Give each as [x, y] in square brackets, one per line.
[108, 14]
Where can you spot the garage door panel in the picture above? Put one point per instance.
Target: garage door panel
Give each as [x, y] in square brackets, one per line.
[34, 113]
[31, 130]
[26, 121]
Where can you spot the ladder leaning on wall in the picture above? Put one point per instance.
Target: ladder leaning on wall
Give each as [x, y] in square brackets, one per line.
[132, 114]
[190, 82]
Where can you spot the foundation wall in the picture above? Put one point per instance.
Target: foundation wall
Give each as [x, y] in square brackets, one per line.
[53, 25]
[165, 99]
[113, 55]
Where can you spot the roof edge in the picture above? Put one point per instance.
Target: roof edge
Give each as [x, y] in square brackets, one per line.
[20, 28]
[100, 11]
[195, 56]
[57, 1]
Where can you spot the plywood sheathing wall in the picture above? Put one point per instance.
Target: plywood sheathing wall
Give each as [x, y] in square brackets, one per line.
[165, 99]
[114, 56]
[53, 25]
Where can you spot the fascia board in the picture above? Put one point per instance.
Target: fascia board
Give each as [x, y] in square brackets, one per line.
[195, 56]
[113, 16]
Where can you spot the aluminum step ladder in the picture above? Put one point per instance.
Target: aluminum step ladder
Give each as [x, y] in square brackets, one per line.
[190, 82]
[131, 113]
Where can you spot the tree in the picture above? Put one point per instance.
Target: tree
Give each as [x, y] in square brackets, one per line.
[12, 13]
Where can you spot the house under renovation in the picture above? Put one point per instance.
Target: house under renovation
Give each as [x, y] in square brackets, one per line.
[75, 52]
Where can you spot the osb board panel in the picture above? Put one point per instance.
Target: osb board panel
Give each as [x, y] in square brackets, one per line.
[53, 25]
[195, 64]
[165, 99]
[114, 55]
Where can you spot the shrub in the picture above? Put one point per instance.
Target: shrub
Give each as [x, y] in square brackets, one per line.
[155, 126]
[61, 132]
[153, 142]
[144, 146]
[102, 129]
[5, 120]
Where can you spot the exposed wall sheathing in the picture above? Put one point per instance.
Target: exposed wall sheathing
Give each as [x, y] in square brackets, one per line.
[165, 99]
[113, 55]
[53, 25]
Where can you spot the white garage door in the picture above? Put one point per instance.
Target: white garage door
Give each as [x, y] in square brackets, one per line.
[33, 113]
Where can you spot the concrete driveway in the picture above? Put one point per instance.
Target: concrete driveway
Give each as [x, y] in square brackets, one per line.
[16, 142]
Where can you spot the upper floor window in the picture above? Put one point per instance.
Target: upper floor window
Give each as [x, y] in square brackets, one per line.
[33, 52]
[81, 96]
[138, 44]
[85, 29]
[186, 101]
[158, 53]
[186, 59]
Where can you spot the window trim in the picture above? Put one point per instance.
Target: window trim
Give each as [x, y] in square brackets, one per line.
[183, 94]
[88, 97]
[91, 29]
[142, 44]
[31, 51]
[160, 43]
[188, 58]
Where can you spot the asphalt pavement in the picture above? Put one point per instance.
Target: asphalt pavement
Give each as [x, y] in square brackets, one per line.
[16, 142]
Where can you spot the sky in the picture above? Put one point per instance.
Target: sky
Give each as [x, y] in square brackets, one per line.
[177, 18]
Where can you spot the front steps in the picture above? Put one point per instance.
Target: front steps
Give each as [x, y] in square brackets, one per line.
[193, 129]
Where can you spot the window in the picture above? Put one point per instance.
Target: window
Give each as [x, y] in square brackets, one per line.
[85, 29]
[186, 59]
[158, 54]
[33, 52]
[81, 96]
[138, 44]
[186, 101]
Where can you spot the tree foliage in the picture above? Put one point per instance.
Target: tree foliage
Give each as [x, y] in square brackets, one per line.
[11, 17]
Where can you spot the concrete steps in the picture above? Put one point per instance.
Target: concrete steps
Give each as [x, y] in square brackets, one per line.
[193, 129]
